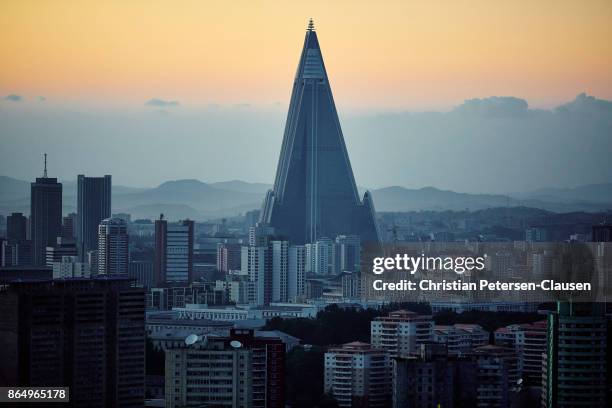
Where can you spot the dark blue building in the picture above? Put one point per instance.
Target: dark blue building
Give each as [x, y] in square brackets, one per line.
[314, 193]
[93, 206]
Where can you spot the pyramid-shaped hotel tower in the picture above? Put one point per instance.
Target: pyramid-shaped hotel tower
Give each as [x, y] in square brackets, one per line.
[314, 193]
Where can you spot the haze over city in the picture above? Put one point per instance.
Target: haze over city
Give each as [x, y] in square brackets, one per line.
[174, 84]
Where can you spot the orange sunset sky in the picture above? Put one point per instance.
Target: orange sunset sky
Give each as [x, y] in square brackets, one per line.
[380, 55]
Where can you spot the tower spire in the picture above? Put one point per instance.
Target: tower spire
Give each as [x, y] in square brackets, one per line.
[310, 25]
[45, 172]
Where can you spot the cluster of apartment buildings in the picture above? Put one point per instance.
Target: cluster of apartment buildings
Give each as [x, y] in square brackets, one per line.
[411, 362]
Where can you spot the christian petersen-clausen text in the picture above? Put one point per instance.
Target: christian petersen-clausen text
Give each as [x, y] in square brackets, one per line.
[460, 265]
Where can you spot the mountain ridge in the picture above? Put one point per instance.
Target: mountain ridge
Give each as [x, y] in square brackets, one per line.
[196, 199]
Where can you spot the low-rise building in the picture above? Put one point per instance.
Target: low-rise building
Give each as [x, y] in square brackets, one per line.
[69, 267]
[358, 375]
[461, 339]
[401, 332]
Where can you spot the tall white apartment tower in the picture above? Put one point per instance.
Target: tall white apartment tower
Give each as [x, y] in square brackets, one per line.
[296, 279]
[113, 257]
[280, 270]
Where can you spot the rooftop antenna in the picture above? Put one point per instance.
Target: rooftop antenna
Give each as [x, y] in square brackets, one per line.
[45, 172]
[310, 25]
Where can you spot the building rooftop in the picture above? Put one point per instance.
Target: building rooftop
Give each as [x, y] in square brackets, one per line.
[492, 349]
[403, 315]
[165, 319]
[357, 347]
[462, 327]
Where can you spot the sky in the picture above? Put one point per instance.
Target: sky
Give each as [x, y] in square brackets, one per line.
[151, 91]
[380, 55]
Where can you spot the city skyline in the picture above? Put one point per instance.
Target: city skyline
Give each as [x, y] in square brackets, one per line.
[350, 282]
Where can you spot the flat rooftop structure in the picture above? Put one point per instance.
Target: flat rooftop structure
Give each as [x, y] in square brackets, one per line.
[16, 273]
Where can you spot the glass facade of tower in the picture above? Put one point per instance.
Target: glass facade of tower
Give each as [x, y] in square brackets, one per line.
[314, 193]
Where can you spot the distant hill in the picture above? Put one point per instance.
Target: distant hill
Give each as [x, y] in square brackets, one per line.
[200, 201]
[201, 197]
[13, 189]
[594, 193]
[430, 198]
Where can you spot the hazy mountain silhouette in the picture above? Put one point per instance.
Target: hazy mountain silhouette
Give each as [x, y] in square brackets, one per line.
[596, 193]
[198, 200]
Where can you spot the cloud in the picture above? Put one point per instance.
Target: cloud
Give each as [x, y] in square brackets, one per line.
[13, 98]
[586, 104]
[449, 150]
[161, 103]
[495, 106]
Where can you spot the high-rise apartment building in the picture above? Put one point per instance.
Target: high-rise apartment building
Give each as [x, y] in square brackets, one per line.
[93, 206]
[256, 264]
[209, 372]
[275, 269]
[401, 332]
[228, 256]
[296, 279]
[529, 341]
[268, 367]
[113, 249]
[358, 375]
[16, 249]
[333, 256]
[240, 370]
[69, 227]
[321, 257]
[238, 288]
[85, 334]
[142, 272]
[348, 253]
[430, 378]
[351, 285]
[279, 252]
[497, 376]
[575, 371]
[173, 252]
[45, 215]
